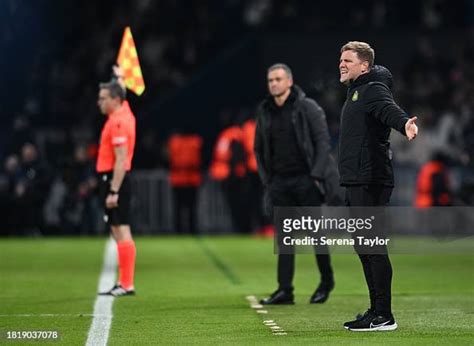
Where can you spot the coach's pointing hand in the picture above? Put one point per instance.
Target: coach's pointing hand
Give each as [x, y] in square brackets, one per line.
[411, 129]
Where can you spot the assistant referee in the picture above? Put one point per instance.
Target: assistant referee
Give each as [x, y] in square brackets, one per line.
[117, 142]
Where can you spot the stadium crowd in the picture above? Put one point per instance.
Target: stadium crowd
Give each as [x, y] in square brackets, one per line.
[49, 147]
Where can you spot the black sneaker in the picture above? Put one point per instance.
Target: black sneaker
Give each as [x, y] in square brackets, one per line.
[279, 297]
[322, 293]
[359, 317]
[118, 291]
[374, 323]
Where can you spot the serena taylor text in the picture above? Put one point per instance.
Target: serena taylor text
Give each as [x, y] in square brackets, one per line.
[359, 240]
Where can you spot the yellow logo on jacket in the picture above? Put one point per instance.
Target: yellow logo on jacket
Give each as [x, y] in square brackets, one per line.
[355, 96]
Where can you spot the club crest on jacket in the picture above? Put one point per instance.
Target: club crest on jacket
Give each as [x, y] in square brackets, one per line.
[355, 96]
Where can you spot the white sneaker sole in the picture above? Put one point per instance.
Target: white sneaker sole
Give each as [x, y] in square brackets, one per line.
[376, 329]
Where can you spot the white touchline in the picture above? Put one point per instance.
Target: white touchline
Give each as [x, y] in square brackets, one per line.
[50, 315]
[252, 299]
[100, 327]
[276, 330]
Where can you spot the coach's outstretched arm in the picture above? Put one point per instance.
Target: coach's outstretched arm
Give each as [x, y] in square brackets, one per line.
[381, 105]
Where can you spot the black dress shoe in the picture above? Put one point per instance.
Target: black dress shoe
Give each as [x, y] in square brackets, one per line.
[279, 297]
[322, 293]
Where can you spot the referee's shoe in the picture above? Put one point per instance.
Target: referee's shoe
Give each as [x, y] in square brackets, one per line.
[118, 291]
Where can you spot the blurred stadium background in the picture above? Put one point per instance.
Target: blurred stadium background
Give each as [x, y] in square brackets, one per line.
[204, 65]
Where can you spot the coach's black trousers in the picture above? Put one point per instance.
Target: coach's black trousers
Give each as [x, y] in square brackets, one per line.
[297, 192]
[377, 267]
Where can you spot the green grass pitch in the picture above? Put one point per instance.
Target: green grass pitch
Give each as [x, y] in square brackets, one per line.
[193, 291]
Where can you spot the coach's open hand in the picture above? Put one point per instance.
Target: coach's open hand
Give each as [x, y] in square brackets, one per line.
[111, 201]
[411, 129]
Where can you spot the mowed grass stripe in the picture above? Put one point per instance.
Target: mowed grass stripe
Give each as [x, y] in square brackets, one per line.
[184, 299]
[47, 277]
[218, 261]
[414, 282]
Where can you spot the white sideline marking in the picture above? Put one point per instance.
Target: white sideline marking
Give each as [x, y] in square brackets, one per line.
[100, 327]
[276, 330]
[252, 299]
[53, 315]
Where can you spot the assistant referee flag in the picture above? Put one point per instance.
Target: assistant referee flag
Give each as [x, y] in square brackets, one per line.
[128, 60]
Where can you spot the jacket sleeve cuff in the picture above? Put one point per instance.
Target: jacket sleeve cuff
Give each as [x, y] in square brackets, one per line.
[319, 177]
[401, 127]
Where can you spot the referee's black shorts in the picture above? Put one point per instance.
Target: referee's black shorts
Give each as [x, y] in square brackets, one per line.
[119, 215]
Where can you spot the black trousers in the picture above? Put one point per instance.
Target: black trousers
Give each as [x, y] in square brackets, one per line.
[254, 192]
[298, 191]
[377, 267]
[234, 192]
[185, 203]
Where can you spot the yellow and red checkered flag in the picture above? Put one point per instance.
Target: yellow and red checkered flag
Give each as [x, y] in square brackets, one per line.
[128, 61]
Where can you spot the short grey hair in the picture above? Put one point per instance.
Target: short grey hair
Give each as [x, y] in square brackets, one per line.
[282, 66]
[114, 88]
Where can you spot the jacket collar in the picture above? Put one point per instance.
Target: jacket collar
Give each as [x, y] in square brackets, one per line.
[378, 73]
[296, 94]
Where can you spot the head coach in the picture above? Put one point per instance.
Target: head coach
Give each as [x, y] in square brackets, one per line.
[367, 117]
[294, 163]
